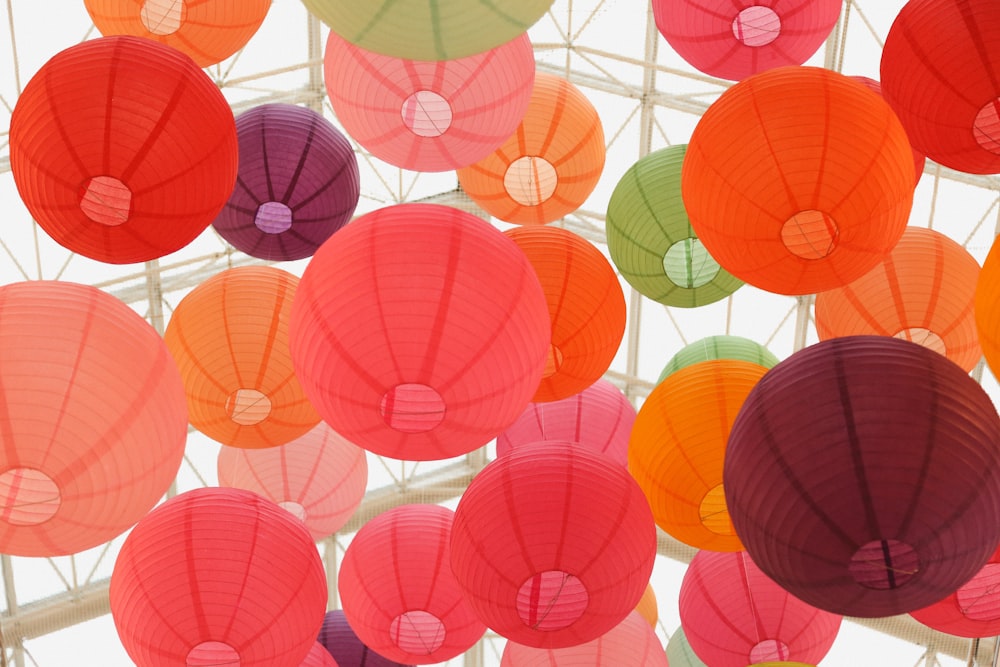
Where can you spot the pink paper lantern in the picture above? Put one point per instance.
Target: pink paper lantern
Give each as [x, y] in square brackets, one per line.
[318, 656]
[971, 611]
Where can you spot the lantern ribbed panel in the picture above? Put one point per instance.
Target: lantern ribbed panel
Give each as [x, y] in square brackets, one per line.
[553, 545]
[678, 444]
[419, 331]
[298, 183]
[680, 653]
[318, 657]
[734, 616]
[987, 305]
[397, 589]
[924, 291]
[320, 477]
[421, 30]
[229, 337]
[862, 475]
[647, 606]
[93, 416]
[732, 39]
[586, 305]
[971, 611]
[550, 164]
[919, 159]
[650, 237]
[429, 115]
[719, 347]
[798, 180]
[208, 31]
[222, 567]
[122, 149]
[940, 71]
[343, 644]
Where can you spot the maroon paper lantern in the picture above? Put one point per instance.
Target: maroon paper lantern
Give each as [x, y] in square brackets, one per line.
[840, 475]
[971, 611]
[343, 644]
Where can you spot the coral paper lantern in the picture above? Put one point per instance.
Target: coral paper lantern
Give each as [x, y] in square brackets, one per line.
[229, 337]
[680, 653]
[719, 347]
[420, 331]
[553, 545]
[94, 419]
[123, 149]
[429, 115]
[939, 72]
[550, 164]
[798, 180]
[298, 183]
[221, 574]
[343, 644]
[841, 469]
[971, 611]
[209, 31]
[318, 656]
[924, 291]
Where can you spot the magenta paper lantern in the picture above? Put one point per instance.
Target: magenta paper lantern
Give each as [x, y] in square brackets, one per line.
[429, 115]
[971, 611]
[343, 644]
[553, 544]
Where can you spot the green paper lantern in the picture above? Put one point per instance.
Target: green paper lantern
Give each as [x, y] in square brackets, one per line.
[680, 653]
[719, 347]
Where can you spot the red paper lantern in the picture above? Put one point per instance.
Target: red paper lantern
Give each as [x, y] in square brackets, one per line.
[221, 574]
[123, 149]
[553, 545]
[419, 331]
[971, 611]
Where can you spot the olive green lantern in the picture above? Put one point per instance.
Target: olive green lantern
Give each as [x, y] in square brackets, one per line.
[720, 347]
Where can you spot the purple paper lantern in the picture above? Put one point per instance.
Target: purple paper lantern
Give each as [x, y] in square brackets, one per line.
[298, 183]
[345, 647]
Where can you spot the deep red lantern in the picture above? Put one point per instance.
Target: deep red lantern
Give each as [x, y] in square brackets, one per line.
[971, 611]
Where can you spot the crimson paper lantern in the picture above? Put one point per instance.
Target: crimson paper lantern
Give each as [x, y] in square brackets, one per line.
[419, 331]
[841, 469]
[553, 545]
[222, 574]
[798, 180]
[429, 115]
[343, 644]
[719, 347]
[971, 611]
[123, 149]
[94, 419]
[297, 183]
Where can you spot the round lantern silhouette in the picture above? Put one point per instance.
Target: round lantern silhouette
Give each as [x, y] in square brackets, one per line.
[94, 419]
[122, 149]
[798, 180]
[298, 183]
[553, 545]
[229, 337]
[971, 611]
[719, 347]
[987, 308]
[680, 653]
[419, 331]
[919, 159]
[219, 574]
[343, 644]
[840, 475]
[550, 164]
[429, 115]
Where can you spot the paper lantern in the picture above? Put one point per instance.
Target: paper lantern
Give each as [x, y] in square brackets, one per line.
[939, 72]
[719, 347]
[418, 30]
[93, 418]
[924, 291]
[343, 644]
[732, 39]
[987, 307]
[840, 475]
[398, 591]
[550, 164]
[298, 183]
[319, 477]
[680, 653]
[209, 31]
[218, 574]
[318, 657]
[229, 337]
[733, 615]
[122, 149]
[553, 545]
[971, 611]
[798, 180]
[429, 115]
[919, 159]
[419, 331]
[650, 237]
[647, 606]
[586, 306]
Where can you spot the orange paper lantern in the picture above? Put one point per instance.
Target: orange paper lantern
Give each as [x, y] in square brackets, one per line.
[987, 305]
[647, 606]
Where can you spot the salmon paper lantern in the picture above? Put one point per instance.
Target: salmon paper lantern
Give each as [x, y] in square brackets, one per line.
[208, 31]
[318, 656]
[343, 644]
[122, 149]
[732, 39]
[987, 307]
[229, 337]
[719, 347]
[550, 164]
[939, 72]
[651, 241]
[798, 180]
[971, 611]
[553, 545]
[924, 291]
[93, 418]
[222, 575]
[680, 653]
[840, 475]
[429, 115]
[919, 159]
[298, 183]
